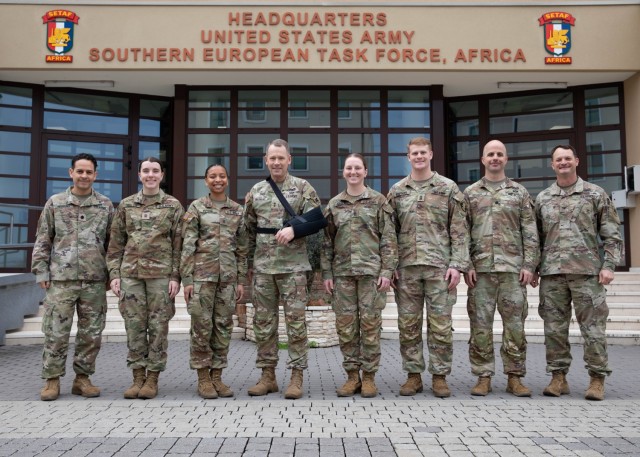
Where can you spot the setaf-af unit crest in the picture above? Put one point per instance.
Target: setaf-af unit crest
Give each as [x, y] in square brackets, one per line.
[557, 36]
[60, 28]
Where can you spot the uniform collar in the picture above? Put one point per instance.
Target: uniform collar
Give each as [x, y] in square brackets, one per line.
[578, 188]
[140, 196]
[74, 200]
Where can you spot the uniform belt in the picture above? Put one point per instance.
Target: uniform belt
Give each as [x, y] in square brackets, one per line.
[271, 231]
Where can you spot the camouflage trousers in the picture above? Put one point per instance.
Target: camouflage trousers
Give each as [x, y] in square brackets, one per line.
[146, 309]
[415, 285]
[268, 291]
[589, 302]
[358, 306]
[62, 299]
[211, 309]
[505, 291]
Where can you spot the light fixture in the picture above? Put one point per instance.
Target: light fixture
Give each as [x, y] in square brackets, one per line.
[101, 83]
[532, 85]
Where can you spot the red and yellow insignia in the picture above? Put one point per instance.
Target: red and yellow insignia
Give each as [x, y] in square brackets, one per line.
[60, 31]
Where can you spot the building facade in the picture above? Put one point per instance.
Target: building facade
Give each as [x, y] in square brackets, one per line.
[203, 82]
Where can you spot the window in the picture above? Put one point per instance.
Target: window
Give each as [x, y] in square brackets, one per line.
[255, 159]
[299, 158]
[298, 110]
[255, 112]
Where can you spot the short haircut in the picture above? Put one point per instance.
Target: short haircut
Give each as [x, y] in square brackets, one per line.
[279, 143]
[152, 160]
[84, 156]
[206, 172]
[357, 155]
[420, 141]
[565, 146]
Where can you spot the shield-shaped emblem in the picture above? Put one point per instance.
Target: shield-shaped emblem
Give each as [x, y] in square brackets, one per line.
[60, 36]
[557, 38]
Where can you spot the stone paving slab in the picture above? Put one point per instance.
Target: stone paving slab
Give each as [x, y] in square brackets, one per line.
[178, 422]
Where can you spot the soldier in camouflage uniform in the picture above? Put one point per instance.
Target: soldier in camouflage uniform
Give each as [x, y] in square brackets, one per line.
[433, 248]
[358, 260]
[505, 253]
[572, 216]
[69, 263]
[280, 264]
[143, 260]
[214, 260]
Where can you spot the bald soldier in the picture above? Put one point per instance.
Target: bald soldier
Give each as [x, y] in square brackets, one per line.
[505, 251]
[574, 216]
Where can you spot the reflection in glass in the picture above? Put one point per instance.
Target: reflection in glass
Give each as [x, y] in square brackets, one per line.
[196, 188]
[314, 143]
[409, 119]
[209, 119]
[599, 164]
[469, 127]
[98, 150]
[310, 98]
[608, 183]
[86, 123]
[602, 116]
[14, 187]
[360, 98]
[362, 143]
[313, 119]
[359, 119]
[196, 165]
[209, 99]
[601, 96]
[398, 141]
[534, 148]
[15, 142]
[603, 141]
[98, 104]
[209, 143]
[374, 164]
[18, 117]
[466, 150]
[399, 165]
[531, 122]
[20, 96]
[107, 170]
[408, 99]
[528, 168]
[152, 149]
[257, 116]
[14, 259]
[158, 109]
[464, 109]
[530, 103]
[268, 98]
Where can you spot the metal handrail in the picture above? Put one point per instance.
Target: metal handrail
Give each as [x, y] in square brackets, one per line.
[11, 224]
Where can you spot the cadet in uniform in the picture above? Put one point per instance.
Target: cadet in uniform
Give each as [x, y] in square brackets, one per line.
[143, 260]
[69, 263]
[214, 260]
[505, 253]
[359, 257]
[433, 248]
[280, 264]
[572, 214]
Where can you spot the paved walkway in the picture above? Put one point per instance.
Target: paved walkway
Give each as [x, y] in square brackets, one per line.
[178, 422]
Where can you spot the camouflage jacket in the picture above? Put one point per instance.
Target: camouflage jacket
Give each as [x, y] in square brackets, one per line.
[72, 238]
[214, 246]
[502, 223]
[430, 223]
[569, 227]
[146, 239]
[264, 210]
[360, 238]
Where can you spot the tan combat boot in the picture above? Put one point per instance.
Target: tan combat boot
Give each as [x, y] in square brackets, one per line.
[369, 389]
[266, 384]
[51, 390]
[412, 386]
[294, 391]
[82, 386]
[150, 388]
[139, 377]
[439, 386]
[482, 387]
[352, 386]
[558, 385]
[216, 378]
[205, 386]
[515, 387]
[596, 389]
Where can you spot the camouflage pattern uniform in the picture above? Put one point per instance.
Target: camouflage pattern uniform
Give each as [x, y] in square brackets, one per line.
[144, 253]
[70, 253]
[433, 236]
[214, 259]
[504, 240]
[360, 246]
[280, 270]
[570, 224]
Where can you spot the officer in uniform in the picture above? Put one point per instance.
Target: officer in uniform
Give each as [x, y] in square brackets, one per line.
[505, 253]
[572, 216]
[433, 249]
[280, 264]
[69, 263]
[143, 260]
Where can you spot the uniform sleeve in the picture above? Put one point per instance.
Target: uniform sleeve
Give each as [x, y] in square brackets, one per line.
[41, 257]
[109, 222]
[117, 243]
[327, 252]
[190, 234]
[392, 203]
[176, 243]
[458, 232]
[609, 231]
[388, 241]
[541, 238]
[242, 251]
[250, 226]
[529, 233]
[310, 198]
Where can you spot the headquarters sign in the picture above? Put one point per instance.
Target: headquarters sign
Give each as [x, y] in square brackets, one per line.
[60, 25]
[557, 36]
